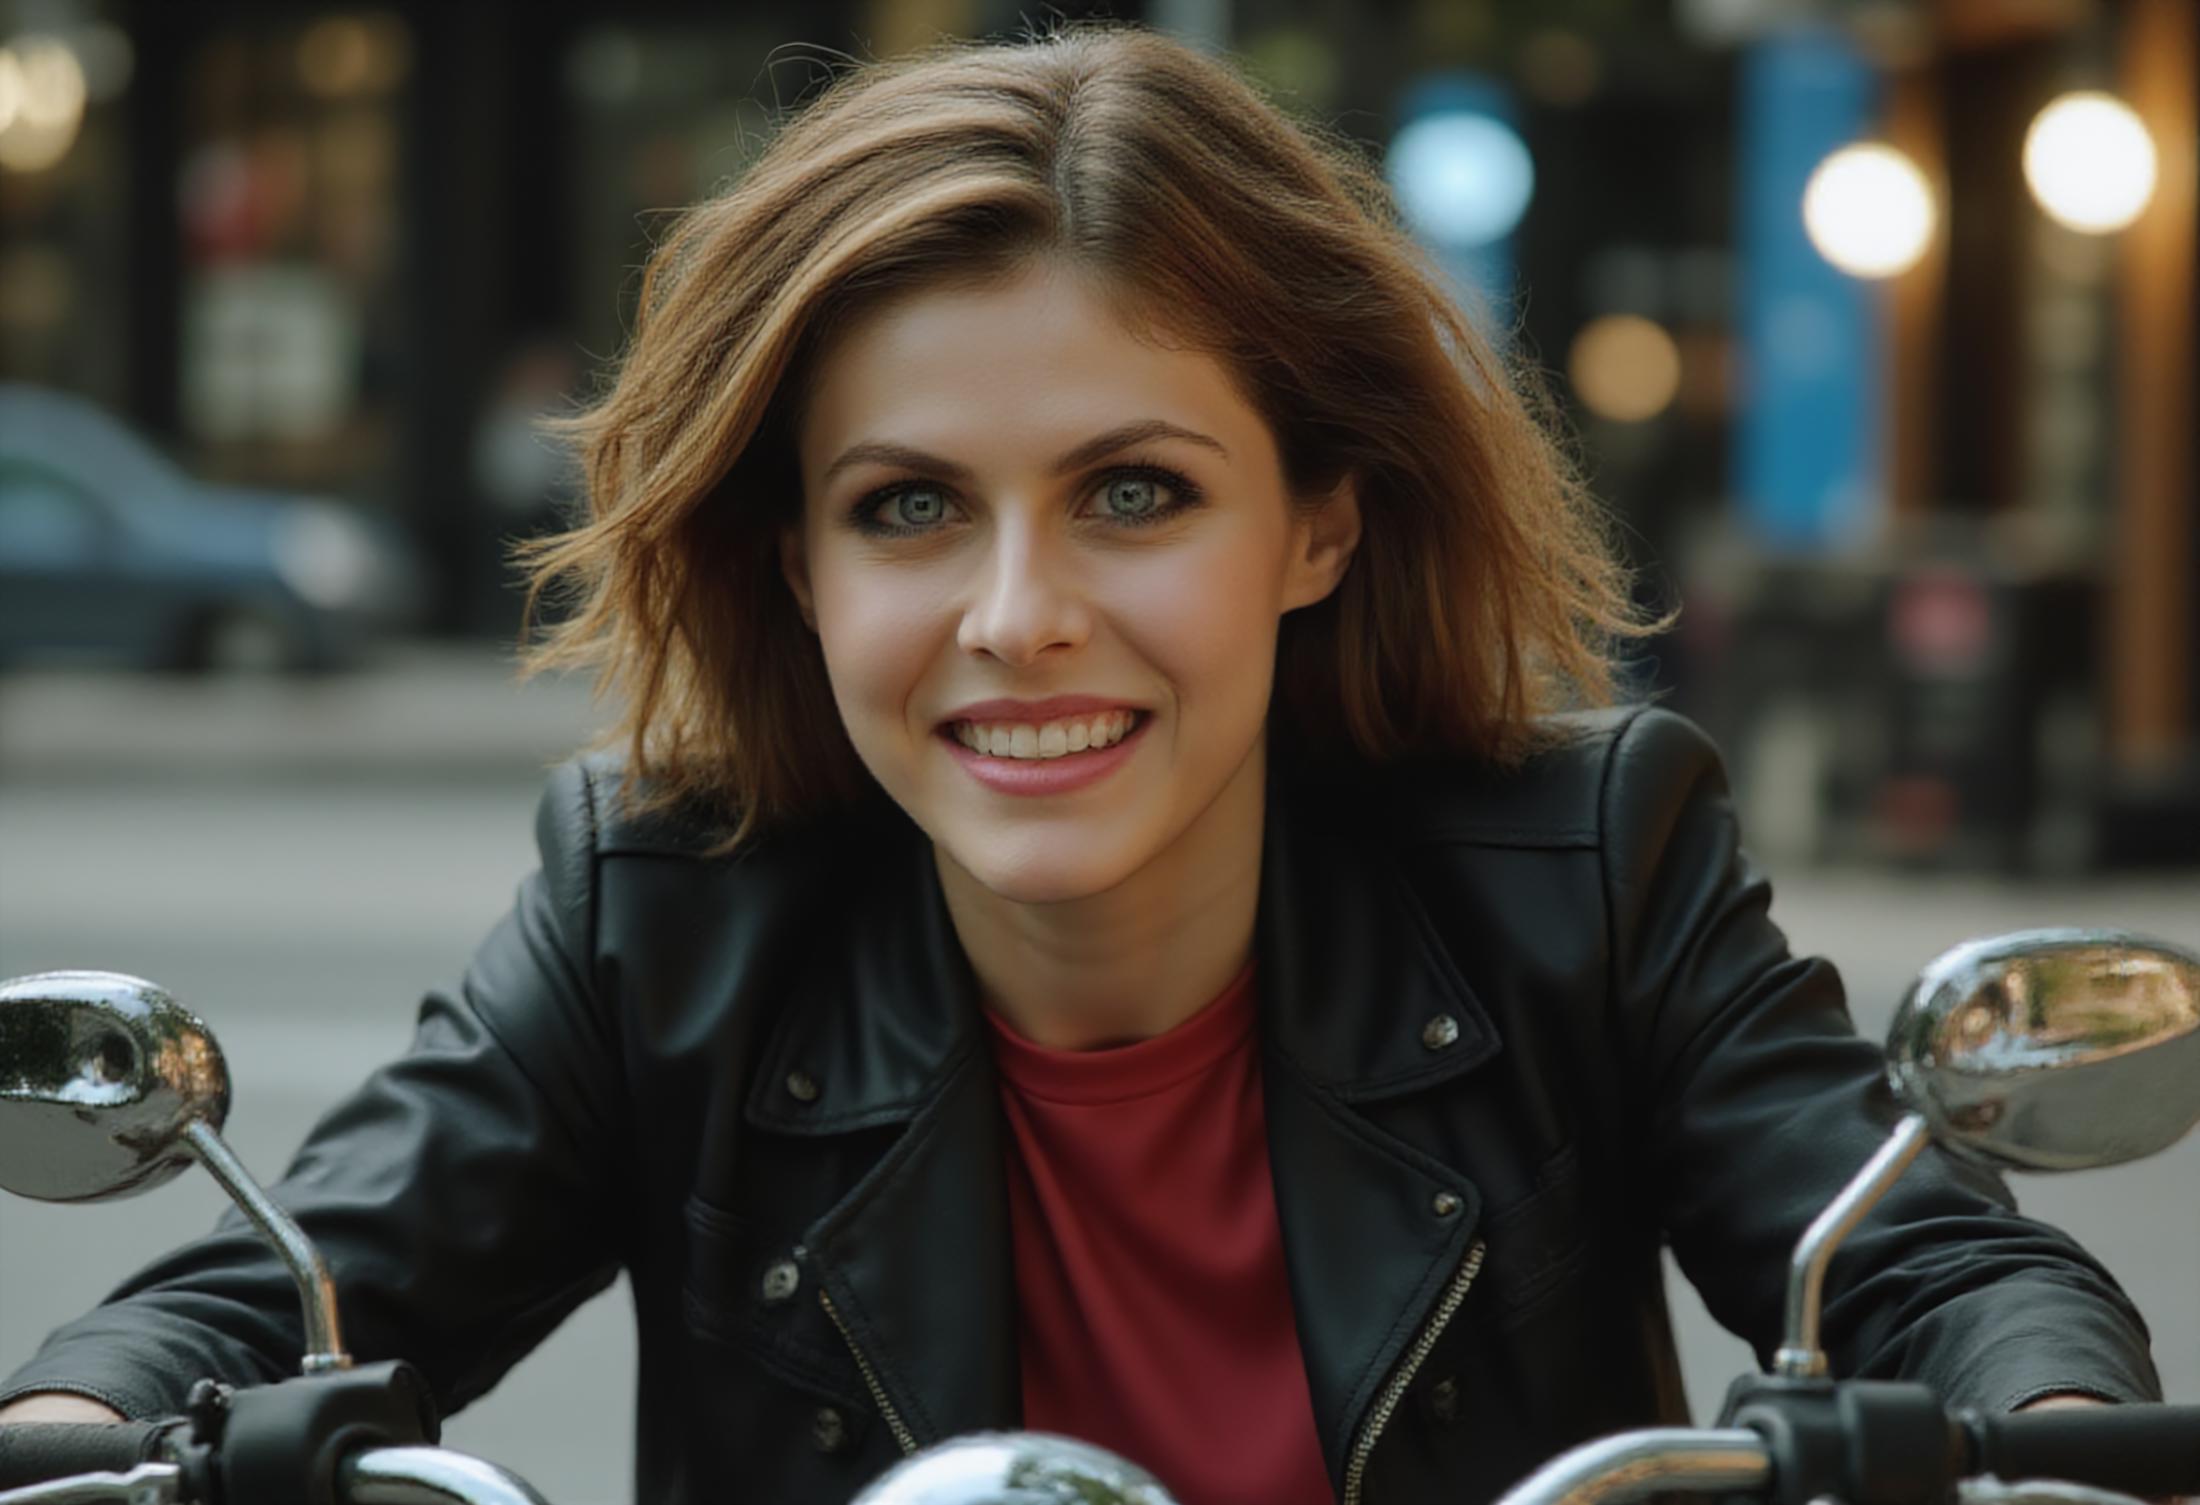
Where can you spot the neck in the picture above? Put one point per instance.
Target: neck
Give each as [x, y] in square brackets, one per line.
[1132, 961]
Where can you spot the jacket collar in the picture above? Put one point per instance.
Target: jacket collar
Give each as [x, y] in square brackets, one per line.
[1349, 969]
[916, 1257]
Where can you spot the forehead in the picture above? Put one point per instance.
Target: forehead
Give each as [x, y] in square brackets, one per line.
[1035, 361]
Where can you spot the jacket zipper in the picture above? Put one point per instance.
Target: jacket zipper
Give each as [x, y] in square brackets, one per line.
[1355, 1469]
[902, 1435]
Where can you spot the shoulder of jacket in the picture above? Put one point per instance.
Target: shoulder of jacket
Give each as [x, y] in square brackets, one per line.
[1592, 767]
[589, 808]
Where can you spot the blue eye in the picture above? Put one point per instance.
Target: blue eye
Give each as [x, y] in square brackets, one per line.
[918, 508]
[1129, 497]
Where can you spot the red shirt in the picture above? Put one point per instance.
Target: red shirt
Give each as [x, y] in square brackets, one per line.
[1154, 1315]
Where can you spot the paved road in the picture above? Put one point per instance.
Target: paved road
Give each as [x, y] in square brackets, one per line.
[305, 914]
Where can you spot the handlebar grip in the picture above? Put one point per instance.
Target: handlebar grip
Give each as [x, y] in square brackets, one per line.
[32, 1452]
[2140, 1449]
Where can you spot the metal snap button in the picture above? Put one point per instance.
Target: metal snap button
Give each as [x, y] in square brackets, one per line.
[1440, 1032]
[1443, 1400]
[802, 1087]
[781, 1281]
[1444, 1204]
[829, 1430]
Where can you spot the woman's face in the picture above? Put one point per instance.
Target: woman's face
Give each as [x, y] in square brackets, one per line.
[1008, 501]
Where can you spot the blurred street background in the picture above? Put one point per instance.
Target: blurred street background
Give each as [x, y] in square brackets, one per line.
[1873, 319]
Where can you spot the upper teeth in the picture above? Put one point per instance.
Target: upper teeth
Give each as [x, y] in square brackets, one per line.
[1051, 739]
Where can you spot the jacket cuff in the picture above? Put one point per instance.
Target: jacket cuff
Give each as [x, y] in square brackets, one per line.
[2005, 1344]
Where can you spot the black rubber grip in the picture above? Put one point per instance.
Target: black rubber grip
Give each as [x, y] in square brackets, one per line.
[32, 1452]
[2140, 1449]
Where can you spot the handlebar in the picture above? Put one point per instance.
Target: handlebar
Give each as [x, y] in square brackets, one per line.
[71, 1463]
[2140, 1450]
[1865, 1441]
[428, 1476]
[1794, 1442]
[34, 1451]
[1631, 1465]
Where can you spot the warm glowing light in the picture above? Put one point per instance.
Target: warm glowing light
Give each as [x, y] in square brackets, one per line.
[1625, 367]
[11, 88]
[336, 56]
[2090, 162]
[348, 55]
[53, 84]
[1869, 210]
[41, 103]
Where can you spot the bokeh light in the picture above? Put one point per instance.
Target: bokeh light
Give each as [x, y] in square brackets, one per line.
[42, 98]
[2090, 162]
[344, 56]
[1463, 178]
[1625, 367]
[1869, 210]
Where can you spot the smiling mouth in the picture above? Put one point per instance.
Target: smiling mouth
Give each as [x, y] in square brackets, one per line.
[1066, 736]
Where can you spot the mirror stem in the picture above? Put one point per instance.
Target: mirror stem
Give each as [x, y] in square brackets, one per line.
[1800, 1357]
[317, 1292]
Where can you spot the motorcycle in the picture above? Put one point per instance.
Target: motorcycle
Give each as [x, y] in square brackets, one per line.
[2046, 1050]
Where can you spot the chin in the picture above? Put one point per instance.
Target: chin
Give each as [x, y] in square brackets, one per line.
[1041, 872]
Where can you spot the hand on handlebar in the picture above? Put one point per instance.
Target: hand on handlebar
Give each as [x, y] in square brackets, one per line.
[58, 1406]
[2072, 1398]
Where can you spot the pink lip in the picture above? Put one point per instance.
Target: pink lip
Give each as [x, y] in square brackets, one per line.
[1045, 775]
[1034, 712]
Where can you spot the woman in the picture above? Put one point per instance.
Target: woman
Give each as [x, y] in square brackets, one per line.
[1107, 921]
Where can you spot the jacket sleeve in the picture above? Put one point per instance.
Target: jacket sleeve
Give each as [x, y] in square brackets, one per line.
[462, 1196]
[1758, 1102]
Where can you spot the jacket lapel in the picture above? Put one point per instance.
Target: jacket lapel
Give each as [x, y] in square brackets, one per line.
[917, 1263]
[915, 1257]
[1351, 975]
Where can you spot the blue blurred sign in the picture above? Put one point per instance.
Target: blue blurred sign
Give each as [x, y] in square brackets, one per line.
[1807, 452]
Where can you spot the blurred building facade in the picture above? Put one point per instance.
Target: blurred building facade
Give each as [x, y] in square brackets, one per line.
[1939, 588]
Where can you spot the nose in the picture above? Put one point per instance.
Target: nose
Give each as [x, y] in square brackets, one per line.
[1024, 599]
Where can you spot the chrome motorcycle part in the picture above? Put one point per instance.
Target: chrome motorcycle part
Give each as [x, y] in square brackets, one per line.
[2053, 1050]
[1635, 1465]
[1801, 1357]
[1014, 1468]
[2041, 1050]
[316, 1290]
[429, 1476]
[99, 1074]
[109, 1087]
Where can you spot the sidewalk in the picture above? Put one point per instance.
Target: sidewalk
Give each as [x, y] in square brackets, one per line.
[418, 710]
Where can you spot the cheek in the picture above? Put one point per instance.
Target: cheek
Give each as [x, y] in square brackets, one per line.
[880, 630]
[1206, 616]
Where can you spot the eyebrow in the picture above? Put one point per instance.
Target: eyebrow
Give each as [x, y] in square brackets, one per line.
[1123, 436]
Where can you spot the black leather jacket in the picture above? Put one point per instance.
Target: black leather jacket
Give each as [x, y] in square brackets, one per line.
[762, 1088]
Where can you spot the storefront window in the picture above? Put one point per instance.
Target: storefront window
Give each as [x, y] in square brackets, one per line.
[289, 194]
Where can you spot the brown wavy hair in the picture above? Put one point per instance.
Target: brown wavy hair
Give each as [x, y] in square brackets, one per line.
[1485, 589]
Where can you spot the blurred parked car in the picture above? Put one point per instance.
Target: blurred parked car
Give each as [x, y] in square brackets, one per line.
[109, 551]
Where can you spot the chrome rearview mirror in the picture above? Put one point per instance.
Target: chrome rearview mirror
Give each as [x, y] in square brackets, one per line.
[2053, 1050]
[2041, 1050]
[99, 1076]
[109, 1087]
